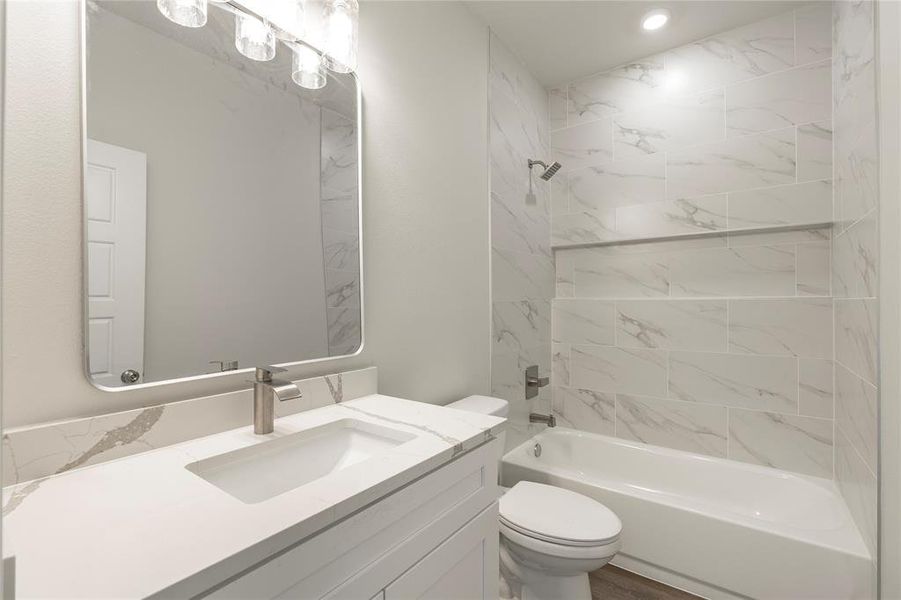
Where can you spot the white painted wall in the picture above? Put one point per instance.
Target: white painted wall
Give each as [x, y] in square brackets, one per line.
[425, 217]
[234, 241]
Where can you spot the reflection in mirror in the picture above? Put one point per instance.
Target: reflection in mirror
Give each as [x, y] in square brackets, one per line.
[221, 202]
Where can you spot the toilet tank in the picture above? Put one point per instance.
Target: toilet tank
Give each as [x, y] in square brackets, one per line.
[486, 405]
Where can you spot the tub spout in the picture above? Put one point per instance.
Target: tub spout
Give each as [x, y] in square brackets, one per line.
[549, 420]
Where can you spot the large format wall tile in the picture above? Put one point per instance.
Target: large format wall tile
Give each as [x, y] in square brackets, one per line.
[815, 151]
[608, 369]
[802, 444]
[793, 204]
[757, 382]
[813, 269]
[672, 217]
[583, 227]
[522, 269]
[727, 136]
[520, 325]
[855, 336]
[782, 99]
[615, 91]
[854, 265]
[599, 275]
[815, 389]
[791, 327]
[813, 33]
[736, 164]
[745, 271]
[583, 145]
[859, 487]
[621, 183]
[757, 49]
[517, 275]
[672, 324]
[519, 226]
[673, 424]
[556, 108]
[584, 321]
[675, 123]
[856, 413]
[855, 260]
[857, 175]
[586, 410]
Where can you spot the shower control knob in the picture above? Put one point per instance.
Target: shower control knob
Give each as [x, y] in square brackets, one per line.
[129, 376]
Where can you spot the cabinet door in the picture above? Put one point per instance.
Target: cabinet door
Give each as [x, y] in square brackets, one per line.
[464, 567]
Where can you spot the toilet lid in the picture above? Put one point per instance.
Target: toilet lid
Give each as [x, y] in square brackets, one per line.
[558, 515]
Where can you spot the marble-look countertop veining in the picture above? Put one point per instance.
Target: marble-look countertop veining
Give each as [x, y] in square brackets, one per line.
[145, 526]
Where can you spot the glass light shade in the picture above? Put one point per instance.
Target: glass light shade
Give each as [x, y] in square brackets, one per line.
[341, 25]
[288, 17]
[188, 13]
[308, 68]
[254, 38]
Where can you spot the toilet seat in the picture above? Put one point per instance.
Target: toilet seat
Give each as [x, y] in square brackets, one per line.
[558, 551]
[557, 516]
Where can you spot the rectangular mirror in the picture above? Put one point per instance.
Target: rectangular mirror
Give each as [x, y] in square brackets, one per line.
[221, 202]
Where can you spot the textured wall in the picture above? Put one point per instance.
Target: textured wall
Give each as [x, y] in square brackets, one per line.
[855, 262]
[522, 271]
[721, 345]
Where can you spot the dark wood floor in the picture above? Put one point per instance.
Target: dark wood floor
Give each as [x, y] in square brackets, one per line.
[613, 583]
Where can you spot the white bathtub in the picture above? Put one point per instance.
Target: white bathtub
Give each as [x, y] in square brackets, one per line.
[715, 527]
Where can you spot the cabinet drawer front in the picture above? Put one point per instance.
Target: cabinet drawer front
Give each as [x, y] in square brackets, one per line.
[465, 567]
[448, 496]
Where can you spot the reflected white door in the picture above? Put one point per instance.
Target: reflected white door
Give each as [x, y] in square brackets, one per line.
[116, 199]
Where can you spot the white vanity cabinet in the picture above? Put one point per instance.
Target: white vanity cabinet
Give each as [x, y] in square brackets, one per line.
[434, 538]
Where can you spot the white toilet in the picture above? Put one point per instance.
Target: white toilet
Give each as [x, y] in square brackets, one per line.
[551, 538]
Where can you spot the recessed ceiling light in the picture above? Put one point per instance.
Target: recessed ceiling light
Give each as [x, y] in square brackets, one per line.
[655, 19]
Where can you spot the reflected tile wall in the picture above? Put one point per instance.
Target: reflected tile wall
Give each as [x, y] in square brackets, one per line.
[522, 268]
[340, 232]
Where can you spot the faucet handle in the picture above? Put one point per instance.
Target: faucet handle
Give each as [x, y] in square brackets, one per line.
[264, 374]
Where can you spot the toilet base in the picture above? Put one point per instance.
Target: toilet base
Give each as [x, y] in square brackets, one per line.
[523, 579]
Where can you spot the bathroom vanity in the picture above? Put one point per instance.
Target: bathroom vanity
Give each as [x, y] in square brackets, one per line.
[372, 498]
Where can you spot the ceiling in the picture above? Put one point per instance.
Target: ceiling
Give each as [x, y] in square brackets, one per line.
[562, 40]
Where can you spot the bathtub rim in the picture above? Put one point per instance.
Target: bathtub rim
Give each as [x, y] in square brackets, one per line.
[850, 543]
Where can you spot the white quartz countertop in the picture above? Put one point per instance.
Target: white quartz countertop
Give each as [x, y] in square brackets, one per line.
[146, 526]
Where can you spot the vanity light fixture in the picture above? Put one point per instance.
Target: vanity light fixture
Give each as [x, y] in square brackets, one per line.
[341, 19]
[261, 24]
[288, 19]
[308, 67]
[655, 19]
[188, 13]
[254, 38]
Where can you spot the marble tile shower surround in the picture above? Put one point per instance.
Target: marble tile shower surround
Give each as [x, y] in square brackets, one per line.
[732, 132]
[721, 346]
[34, 452]
[522, 268]
[854, 262]
[340, 232]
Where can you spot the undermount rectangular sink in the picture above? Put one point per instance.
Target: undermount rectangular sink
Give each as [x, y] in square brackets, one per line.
[265, 470]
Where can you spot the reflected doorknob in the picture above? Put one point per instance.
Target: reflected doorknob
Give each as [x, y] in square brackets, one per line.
[129, 376]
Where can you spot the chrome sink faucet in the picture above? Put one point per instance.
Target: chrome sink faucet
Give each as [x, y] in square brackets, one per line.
[265, 391]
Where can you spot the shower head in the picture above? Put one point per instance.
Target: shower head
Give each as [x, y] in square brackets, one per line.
[549, 171]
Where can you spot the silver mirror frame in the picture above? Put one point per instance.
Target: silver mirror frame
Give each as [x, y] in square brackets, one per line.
[83, 131]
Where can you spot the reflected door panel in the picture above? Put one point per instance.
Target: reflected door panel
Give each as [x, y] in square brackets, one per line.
[116, 207]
